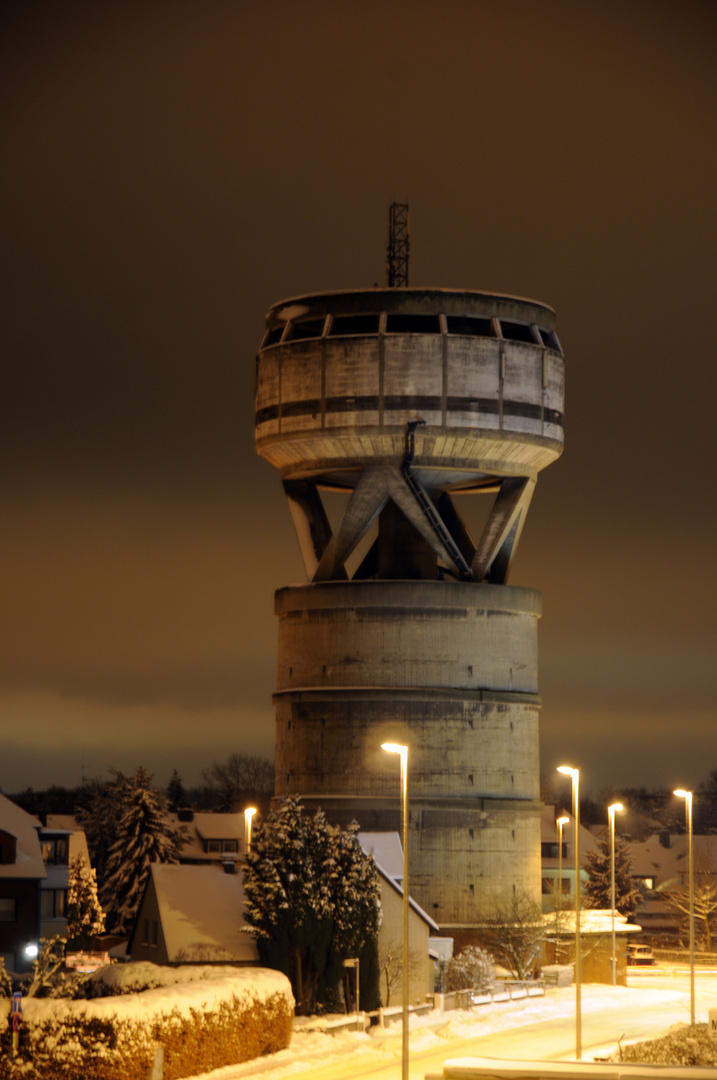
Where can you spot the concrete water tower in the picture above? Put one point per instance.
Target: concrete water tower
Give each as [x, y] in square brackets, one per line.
[410, 401]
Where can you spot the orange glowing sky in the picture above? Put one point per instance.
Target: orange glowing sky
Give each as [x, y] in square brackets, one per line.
[172, 169]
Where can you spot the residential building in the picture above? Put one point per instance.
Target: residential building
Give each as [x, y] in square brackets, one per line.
[192, 914]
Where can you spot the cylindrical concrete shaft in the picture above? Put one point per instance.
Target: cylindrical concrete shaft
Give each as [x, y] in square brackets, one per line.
[448, 668]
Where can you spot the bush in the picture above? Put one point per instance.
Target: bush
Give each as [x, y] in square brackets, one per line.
[690, 1045]
[471, 969]
[202, 1025]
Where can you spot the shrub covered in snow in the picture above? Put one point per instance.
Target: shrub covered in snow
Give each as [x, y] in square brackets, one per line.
[689, 1045]
[203, 1018]
[471, 969]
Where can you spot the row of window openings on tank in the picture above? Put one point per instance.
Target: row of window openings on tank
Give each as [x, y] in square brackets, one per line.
[395, 323]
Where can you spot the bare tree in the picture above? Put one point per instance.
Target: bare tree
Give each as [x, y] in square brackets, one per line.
[705, 892]
[515, 933]
[390, 966]
[240, 777]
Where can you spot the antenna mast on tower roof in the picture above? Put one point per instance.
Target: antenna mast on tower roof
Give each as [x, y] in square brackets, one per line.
[398, 246]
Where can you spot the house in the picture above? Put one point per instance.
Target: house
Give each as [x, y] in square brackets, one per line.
[551, 860]
[660, 864]
[210, 838]
[34, 875]
[596, 943]
[192, 914]
[388, 855]
[22, 872]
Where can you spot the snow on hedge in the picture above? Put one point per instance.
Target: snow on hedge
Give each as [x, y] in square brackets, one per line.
[182, 988]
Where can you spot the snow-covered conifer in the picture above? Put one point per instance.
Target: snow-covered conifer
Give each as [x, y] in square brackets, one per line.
[143, 836]
[311, 899]
[85, 917]
[598, 888]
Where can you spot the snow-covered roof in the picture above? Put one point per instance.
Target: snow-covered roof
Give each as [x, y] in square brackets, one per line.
[592, 921]
[201, 908]
[28, 861]
[386, 849]
[667, 861]
[220, 826]
[204, 827]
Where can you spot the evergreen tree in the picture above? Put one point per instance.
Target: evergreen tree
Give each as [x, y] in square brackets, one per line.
[98, 815]
[598, 888]
[312, 902]
[176, 795]
[85, 917]
[142, 837]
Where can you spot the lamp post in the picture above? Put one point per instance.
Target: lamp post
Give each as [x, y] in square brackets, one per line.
[559, 895]
[574, 775]
[402, 751]
[611, 811]
[353, 962]
[248, 815]
[687, 796]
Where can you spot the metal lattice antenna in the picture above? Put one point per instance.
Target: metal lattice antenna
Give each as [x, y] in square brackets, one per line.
[398, 245]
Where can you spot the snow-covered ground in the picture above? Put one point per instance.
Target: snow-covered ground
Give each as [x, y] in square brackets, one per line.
[654, 1000]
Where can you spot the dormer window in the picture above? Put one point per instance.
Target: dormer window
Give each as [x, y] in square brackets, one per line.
[55, 850]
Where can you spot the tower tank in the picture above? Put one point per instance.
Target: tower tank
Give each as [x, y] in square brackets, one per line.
[406, 400]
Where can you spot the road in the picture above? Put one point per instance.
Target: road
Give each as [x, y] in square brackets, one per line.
[543, 1028]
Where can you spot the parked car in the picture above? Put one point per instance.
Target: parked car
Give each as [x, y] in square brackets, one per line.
[640, 954]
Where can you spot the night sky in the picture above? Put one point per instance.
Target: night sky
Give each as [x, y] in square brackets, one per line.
[169, 171]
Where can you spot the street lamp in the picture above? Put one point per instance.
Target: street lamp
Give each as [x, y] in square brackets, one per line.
[559, 895]
[574, 774]
[248, 815]
[611, 811]
[687, 796]
[402, 751]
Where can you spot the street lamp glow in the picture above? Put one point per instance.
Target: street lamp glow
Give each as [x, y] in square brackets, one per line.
[248, 815]
[687, 796]
[615, 808]
[574, 774]
[402, 751]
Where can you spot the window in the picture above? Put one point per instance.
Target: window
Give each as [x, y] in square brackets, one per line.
[515, 331]
[230, 846]
[151, 933]
[54, 851]
[413, 324]
[353, 324]
[549, 339]
[7, 908]
[549, 849]
[214, 846]
[272, 336]
[52, 903]
[309, 328]
[469, 327]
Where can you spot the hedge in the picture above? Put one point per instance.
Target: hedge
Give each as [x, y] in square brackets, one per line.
[201, 1025]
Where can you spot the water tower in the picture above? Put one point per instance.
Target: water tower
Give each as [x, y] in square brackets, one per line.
[410, 401]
